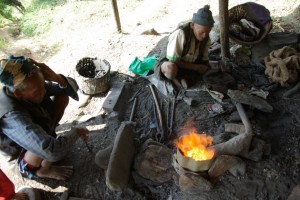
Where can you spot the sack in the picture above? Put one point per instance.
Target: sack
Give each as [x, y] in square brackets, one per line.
[143, 67]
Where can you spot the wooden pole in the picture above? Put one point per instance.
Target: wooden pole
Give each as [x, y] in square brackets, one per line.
[224, 24]
[116, 13]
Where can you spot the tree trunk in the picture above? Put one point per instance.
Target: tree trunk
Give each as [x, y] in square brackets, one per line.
[224, 23]
[116, 13]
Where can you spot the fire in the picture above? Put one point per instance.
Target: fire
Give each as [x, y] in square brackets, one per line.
[195, 145]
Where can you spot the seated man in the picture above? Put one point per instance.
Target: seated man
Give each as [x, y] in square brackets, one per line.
[32, 102]
[187, 50]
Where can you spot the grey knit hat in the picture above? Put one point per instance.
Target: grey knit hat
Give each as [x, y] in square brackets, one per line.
[204, 17]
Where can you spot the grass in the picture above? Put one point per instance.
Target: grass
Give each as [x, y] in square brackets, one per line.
[3, 43]
[289, 22]
[38, 17]
[36, 23]
[43, 16]
[40, 14]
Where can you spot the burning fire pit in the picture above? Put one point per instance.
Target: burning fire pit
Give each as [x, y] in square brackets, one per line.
[192, 152]
[192, 164]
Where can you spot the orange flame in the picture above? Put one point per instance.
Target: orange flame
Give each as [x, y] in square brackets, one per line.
[195, 145]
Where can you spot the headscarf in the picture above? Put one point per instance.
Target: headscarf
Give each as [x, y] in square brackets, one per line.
[13, 70]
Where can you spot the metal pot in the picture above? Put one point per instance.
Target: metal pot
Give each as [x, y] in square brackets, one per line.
[192, 164]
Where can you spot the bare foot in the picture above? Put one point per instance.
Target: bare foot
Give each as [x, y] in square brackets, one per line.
[177, 84]
[20, 196]
[219, 66]
[184, 83]
[55, 172]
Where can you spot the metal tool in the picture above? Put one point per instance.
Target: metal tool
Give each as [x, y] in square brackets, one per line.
[159, 135]
[132, 110]
[170, 121]
[88, 147]
[136, 94]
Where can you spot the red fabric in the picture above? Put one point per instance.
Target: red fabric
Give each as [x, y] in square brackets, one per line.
[29, 166]
[7, 188]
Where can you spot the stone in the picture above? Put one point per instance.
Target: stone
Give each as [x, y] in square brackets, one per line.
[112, 97]
[295, 195]
[194, 184]
[121, 157]
[257, 149]
[234, 128]
[102, 157]
[221, 165]
[233, 146]
[239, 168]
[248, 99]
[155, 163]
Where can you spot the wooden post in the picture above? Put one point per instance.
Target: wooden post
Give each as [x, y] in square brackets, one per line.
[116, 13]
[224, 24]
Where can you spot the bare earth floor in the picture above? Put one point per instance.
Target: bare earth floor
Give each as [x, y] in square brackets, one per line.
[273, 177]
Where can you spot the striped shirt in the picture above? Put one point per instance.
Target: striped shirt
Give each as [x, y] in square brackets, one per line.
[18, 126]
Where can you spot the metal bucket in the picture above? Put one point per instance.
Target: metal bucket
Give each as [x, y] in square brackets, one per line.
[93, 75]
[192, 164]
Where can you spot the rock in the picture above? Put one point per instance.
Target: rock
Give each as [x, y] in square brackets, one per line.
[239, 168]
[222, 164]
[234, 128]
[194, 184]
[121, 158]
[257, 149]
[111, 100]
[245, 98]
[155, 163]
[235, 116]
[102, 157]
[233, 146]
[295, 195]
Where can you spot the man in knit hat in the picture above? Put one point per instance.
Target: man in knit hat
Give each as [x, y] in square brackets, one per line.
[187, 50]
[32, 102]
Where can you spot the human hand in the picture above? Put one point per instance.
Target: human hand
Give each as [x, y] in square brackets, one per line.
[218, 66]
[47, 72]
[201, 68]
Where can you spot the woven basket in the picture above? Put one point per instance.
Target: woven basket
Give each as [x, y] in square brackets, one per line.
[93, 75]
[257, 14]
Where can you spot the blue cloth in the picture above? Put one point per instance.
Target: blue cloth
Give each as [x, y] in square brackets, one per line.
[25, 171]
[13, 70]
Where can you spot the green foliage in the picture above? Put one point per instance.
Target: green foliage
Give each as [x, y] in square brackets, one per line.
[44, 4]
[14, 31]
[38, 16]
[3, 43]
[6, 12]
[36, 23]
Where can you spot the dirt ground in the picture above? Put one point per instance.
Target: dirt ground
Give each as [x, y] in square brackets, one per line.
[273, 177]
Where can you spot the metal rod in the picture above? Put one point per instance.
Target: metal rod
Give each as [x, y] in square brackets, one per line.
[244, 118]
[87, 146]
[132, 110]
[157, 108]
